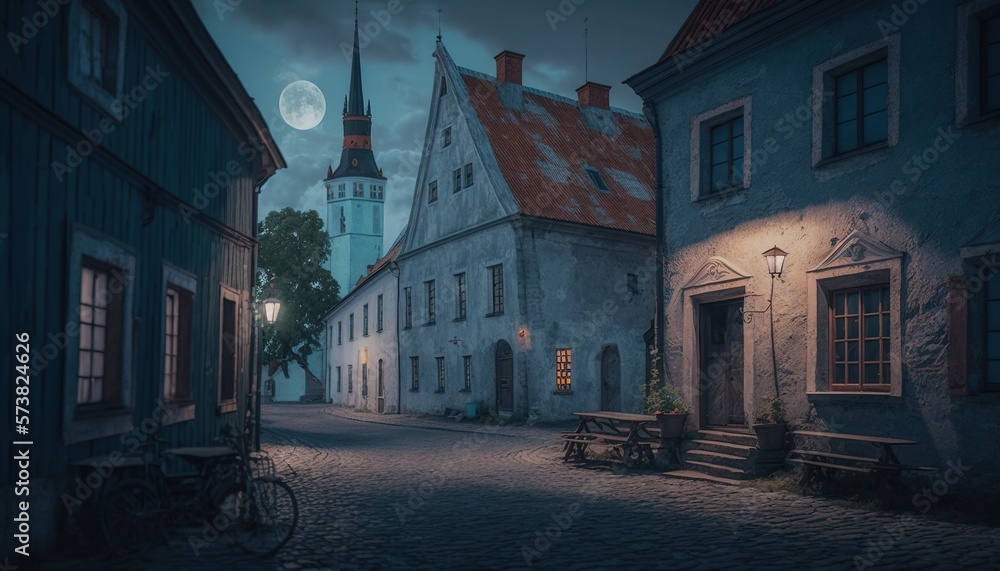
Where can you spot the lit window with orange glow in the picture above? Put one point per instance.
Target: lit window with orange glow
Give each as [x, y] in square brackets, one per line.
[564, 369]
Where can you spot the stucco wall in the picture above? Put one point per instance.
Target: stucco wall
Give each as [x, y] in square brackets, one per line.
[807, 211]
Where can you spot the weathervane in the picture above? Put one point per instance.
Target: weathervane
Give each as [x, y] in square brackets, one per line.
[439, 21]
[586, 63]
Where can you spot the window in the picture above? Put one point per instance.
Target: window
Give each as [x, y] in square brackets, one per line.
[859, 347]
[461, 297]
[99, 374]
[338, 379]
[467, 364]
[596, 179]
[177, 345]
[720, 139]
[373, 191]
[408, 308]
[350, 378]
[447, 137]
[432, 192]
[342, 191]
[858, 113]
[457, 176]
[440, 367]
[726, 155]
[632, 283]
[381, 192]
[96, 55]
[340, 333]
[989, 64]
[97, 379]
[564, 369]
[378, 318]
[861, 107]
[359, 190]
[228, 344]
[468, 175]
[364, 320]
[496, 279]
[343, 221]
[431, 295]
[364, 380]
[414, 373]
[350, 327]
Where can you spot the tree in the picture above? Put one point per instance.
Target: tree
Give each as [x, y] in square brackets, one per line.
[293, 249]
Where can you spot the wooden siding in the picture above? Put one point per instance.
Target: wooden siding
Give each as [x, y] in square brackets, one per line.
[151, 164]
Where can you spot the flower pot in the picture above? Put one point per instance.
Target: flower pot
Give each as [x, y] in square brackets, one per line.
[671, 424]
[770, 436]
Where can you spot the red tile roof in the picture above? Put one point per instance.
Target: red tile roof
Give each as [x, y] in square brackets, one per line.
[543, 148]
[710, 18]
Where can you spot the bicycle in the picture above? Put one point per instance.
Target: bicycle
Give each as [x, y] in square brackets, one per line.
[234, 491]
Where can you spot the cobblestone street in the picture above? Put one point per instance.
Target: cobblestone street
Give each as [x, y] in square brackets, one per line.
[391, 492]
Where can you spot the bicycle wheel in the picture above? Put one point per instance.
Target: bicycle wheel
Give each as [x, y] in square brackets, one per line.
[267, 517]
[130, 517]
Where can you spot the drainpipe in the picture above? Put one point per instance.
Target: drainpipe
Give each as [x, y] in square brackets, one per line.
[649, 110]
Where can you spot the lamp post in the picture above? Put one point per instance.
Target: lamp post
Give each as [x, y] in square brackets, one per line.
[775, 258]
[268, 309]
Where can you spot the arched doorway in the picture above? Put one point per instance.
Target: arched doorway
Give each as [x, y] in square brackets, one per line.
[611, 383]
[505, 377]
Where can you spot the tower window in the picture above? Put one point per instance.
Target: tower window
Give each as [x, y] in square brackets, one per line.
[342, 190]
[359, 189]
[432, 192]
[343, 221]
[447, 137]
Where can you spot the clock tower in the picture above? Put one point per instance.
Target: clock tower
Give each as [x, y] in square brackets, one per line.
[355, 190]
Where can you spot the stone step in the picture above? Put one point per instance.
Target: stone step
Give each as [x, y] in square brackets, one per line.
[718, 470]
[719, 446]
[742, 438]
[692, 475]
[721, 459]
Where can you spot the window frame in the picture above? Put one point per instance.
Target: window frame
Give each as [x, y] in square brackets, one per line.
[408, 308]
[82, 425]
[461, 296]
[110, 351]
[468, 172]
[862, 339]
[182, 409]
[824, 156]
[860, 111]
[414, 374]
[340, 333]
[446, 138]
[350, 379]
[430, 289]
[364, 320]
[226, 404]
[564, 369]
[496, 301]
[379, 314]
[441, 372]
[364, 380]
[701, 147]
[113, 11]
[466, 373]
[432, 192]
[350, 327]
[456, 177]
[970, 88]
[338, 379]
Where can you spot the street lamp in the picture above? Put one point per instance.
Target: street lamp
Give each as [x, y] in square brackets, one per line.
[271, 307]
[775, 258]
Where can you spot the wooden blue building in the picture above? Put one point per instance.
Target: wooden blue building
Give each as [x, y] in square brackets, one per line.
[130, 162]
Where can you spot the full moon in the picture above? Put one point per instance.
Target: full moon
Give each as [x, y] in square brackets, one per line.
[302, 104]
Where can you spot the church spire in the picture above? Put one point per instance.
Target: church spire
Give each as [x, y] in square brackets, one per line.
[356, 100]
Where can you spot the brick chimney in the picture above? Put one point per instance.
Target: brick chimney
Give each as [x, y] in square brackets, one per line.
[508, 67]
[592, 94]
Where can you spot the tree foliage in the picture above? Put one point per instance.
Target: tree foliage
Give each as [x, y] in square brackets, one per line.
[293, 249]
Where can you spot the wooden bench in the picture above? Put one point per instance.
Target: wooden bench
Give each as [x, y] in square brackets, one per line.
[821, 465]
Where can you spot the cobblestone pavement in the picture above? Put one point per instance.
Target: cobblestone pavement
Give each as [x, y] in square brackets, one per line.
[395, 492]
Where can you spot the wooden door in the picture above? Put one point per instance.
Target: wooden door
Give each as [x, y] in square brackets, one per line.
[505, 377]
[721, 363]
[611, 383]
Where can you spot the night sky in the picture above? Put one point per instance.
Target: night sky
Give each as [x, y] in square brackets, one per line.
[271, 44]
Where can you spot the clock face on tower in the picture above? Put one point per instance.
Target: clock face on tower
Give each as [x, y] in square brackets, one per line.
[354, 162]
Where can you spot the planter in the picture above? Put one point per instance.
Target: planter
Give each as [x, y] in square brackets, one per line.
[770, 436]
[472, 409]
[671, 425]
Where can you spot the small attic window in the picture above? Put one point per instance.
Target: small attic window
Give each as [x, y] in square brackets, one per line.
[597, 179]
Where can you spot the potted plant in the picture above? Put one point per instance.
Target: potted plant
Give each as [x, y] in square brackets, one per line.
[769, 423]
[663, 401]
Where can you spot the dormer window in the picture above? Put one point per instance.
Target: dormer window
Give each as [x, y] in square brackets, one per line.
[597, 180]
[447, 137]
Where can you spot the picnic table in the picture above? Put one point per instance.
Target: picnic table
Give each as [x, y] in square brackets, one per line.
[820, 466]
[630, 433]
